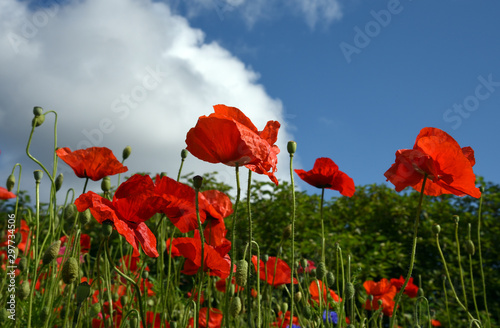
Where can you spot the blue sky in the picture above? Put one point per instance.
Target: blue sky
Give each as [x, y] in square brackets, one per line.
[349, 80]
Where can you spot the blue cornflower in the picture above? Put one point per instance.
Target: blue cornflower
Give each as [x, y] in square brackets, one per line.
[332, 317]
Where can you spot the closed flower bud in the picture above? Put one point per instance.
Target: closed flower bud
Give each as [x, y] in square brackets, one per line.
[349, 290]
[126, 152]
[70, 270]
[106, 184]
[469, 246]
[107, 228]
[291, 147]
[134, 323]
[184, 153]
[321, 270]
[287, 232]
[304, 263]
[23, 263]
[59, 181]
[265, 258]
[115, 297]
[456, 218]
[420, 292]
[307, 312]
[124, 300]
[298, 297]
[145, 275]
[38, 120]
[70, 213]
[51, 252]
[38, 174]
[37, 110]
[197, 182]
[24, 290]
[436, 228]
[82, 292]
[330, 279]
[11, 181]
[284, 307]
[241, 272]
[84, 217]
[235, 306]
[312, 273]
[94, 310]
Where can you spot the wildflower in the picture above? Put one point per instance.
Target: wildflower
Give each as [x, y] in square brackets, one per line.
[411, 289]
[315, 294]
[283, 273]
[331, 316]
[214, 321]
[326, 174]
[435, 323]
[437, 155]
[383, 291]
[227, 136]
[284, 320]
[5, 194]
[94, 163]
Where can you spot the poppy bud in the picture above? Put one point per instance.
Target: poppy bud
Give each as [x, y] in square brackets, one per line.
[24, 290]
[436, 228]
[51, 252]
[321, 270]
[481, 189]
[349, 290]
[241, 272]
[284, 307]
[304, 263]
[107, 228]
[469, 246]
[184, 153]
[11, 181]
[163, 174]
[70, 270]
[106, 184]
[307, 312]
[82, 292]
[38, 174]
[456, 218]
[330, 279]
[37, 110]
[134, 323]
[124, 300]
[70, 213]
[115, 297]
[312, 273]
[95, 309]
[291, 147]
[85, 217]
[59, 181]
[265, 258]
[235, 306]
[298, 297]
[145, 275]
[420, 292]
[23, 263]
[38, 120]
[287, 232]
[126, 152]
[197, 182]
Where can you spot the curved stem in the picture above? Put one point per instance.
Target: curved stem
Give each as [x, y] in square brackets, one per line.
[413, 251]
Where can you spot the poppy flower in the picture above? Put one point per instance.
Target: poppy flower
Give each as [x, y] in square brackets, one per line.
[382, 290]
[411, 289]
[436, 154]
[94, 163]
[215, 228]
[190, 248]
[134, 202]
[326, 174]
[309, 267]
[435, 323]
[283, 272]
[220, 285]
[283, 321]
[314, 291]
[229, 137]
[5, 194]
[214, 321]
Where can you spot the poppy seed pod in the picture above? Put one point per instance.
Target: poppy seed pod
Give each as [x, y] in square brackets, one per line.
[235, 306]
[59, 181]
[436, 228]
[82, 292]
[241, 272]
[106, 184]
[70, 270]
[38, 174]
[291, 147]
[95, 309]
[126, 152]
[24, 290]
[184, 153]
[11, 181]
[321, 270]
[349, 291]
[51, 252]
[330, 279]
[297, 297]
[469, 246]
[284, 307]
[37, 110]
[265, 258]
[37, 120]
[197, 182]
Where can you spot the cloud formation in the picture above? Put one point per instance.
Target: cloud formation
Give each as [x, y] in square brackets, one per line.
[118, 73]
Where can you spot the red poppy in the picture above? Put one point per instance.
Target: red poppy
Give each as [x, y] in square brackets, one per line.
[94, 163]
[284, 321]
[411, 289]
[326, 174]
[309, 267]
[190, 248]
[314, 291]
[214, 321]
[382, 290]
[436, 154]
[131, 263]
[227, 136]
[84, 246]
[435, 323]
[133, 203]
[215, 229]
[220, 285]
[5, 194]
[283, 271]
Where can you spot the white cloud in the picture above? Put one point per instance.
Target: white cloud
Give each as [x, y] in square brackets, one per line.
[118, 73]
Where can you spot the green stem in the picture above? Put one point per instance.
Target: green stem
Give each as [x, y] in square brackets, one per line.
[249, 215]
[202, 267]
[322, 226]
[460, 263]
[472, 277]
[446, 301]
[413, 252]
[481, 257]
[37, 232]
[292, 264]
